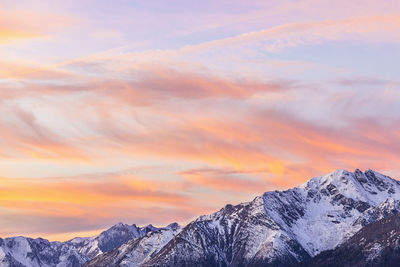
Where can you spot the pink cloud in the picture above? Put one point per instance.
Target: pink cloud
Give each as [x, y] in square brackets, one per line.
[197, 124]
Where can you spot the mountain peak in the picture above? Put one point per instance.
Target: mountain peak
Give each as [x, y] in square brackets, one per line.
[320, 211]
[149, 228]
[173, 226]
[368, 186]
[335, 177]
[118, 225]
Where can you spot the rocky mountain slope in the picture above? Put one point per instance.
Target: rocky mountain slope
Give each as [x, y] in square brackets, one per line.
[138, 251]
[279, 228]
[283, 227]
[377, 244]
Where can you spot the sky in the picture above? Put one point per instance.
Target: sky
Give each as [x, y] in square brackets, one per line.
[161, 111]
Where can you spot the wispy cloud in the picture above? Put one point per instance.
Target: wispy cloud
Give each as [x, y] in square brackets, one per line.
[274, 39]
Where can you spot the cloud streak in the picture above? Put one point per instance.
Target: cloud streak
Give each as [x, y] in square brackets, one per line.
[88, 201]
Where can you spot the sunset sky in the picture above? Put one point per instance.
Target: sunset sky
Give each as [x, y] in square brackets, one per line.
[161, 111]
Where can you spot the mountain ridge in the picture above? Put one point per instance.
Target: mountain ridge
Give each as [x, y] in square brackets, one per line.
[25, 251]
[282, 227]
[278, 228]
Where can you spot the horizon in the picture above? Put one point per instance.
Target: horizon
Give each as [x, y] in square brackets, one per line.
[160, 111]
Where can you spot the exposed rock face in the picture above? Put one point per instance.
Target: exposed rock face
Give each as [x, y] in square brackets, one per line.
[377, 244]
[108, 240]
[21, 251]
[139, 250]
[235, 236]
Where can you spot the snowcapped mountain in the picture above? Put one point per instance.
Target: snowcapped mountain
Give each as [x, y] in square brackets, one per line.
[22, 251]
[139, 250]
[109, 239]
[279, 228]
[328, 207]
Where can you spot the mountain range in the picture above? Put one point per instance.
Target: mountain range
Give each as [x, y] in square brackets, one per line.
[339, 219]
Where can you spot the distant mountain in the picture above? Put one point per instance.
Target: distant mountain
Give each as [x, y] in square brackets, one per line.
[110, 239]
[279, 228]
[22, 251]
[137, 251]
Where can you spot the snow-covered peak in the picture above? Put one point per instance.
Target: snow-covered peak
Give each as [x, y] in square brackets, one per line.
[119, 234]
[122, 227]
[333, 177]
[137, 251]
[369, 186]
[322, 212]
